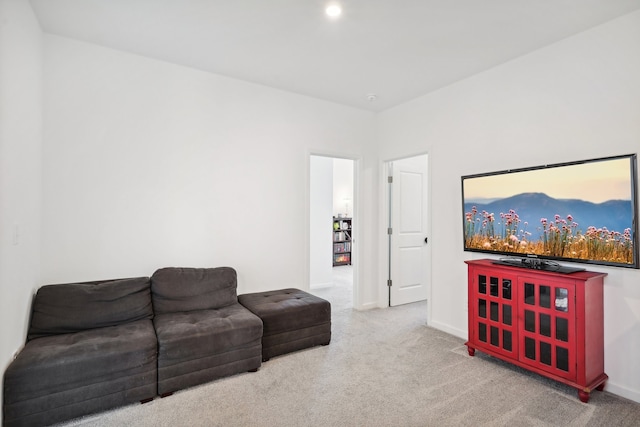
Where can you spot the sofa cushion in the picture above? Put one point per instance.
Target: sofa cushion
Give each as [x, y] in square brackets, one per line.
[68, 308]
[189, 289]
[286, 310]
[195, 334]
[60, 370]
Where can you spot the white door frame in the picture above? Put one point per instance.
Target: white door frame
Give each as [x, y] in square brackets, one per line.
[357, 220]
[385, 255]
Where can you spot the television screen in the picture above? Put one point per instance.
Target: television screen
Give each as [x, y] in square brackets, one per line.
[583, 211]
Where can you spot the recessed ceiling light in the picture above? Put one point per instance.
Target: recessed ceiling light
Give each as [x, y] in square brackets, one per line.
[333, 10]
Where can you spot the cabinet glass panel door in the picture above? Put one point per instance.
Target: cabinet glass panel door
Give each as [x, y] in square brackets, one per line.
[548, 333]
[495, 296]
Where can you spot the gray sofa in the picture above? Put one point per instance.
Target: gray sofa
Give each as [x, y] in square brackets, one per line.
[90, 347]
[97, 345]
[203, 332]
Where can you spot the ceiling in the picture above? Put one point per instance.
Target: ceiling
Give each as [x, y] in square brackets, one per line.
[395, 49]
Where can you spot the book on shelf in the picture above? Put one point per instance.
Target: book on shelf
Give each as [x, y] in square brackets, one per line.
[342, 247]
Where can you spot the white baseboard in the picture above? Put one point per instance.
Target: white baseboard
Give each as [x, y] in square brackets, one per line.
[321, 285]
[449, 329]
[367, 306]
[622, 391]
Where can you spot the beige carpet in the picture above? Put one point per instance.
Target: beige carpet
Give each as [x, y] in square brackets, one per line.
[383, 368]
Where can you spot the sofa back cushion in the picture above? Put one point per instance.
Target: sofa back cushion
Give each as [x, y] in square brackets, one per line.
[74, 307]
[176, 289]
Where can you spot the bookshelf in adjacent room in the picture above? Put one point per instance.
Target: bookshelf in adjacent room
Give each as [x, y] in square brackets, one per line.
[341, 241]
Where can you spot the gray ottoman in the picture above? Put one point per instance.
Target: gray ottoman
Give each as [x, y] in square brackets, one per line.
[292, 320]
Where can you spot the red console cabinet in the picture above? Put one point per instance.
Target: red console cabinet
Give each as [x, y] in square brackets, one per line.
[546, 322]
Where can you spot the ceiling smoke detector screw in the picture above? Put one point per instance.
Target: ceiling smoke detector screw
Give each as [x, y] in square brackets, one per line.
[372, 97]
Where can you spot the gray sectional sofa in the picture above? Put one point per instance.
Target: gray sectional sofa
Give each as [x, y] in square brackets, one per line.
[97, 345]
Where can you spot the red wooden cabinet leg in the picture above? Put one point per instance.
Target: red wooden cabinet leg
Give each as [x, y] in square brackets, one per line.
[471, 350]
[600, 387]
[584, 396]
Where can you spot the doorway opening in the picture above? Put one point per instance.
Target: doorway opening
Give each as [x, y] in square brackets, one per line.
[331, 229]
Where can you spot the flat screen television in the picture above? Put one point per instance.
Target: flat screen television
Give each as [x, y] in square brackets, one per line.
[584, 212]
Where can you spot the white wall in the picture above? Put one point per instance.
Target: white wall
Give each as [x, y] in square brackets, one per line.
[343, 187]
[20, 171]
[149, 164]
[321, 222]
[576, 99]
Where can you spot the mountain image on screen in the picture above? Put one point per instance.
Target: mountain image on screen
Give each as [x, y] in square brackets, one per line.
[534, 223]
[615, 215]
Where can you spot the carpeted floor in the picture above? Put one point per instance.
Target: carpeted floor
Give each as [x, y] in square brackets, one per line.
[384, 367]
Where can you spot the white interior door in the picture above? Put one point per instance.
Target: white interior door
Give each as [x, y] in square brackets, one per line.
[408, 238]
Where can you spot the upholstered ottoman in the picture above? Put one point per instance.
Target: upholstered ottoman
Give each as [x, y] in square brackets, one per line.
[292, 320]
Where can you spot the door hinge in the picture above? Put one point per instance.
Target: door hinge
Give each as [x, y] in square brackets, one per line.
[389, 283]
[389, 230]
[390, 179]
